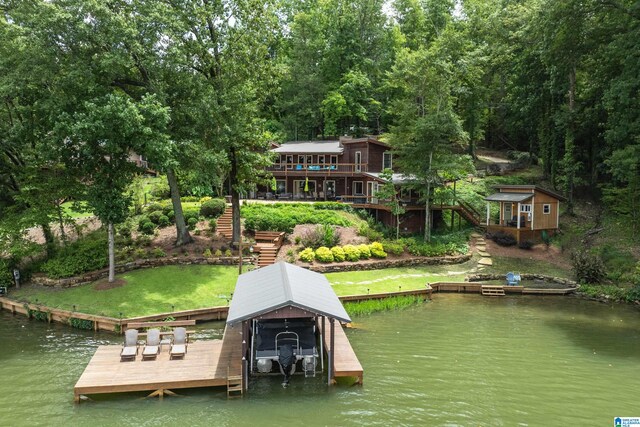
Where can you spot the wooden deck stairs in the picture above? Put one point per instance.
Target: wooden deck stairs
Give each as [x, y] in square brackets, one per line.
[225, 223]
[267, 245]
[234, 385]
[493, 290]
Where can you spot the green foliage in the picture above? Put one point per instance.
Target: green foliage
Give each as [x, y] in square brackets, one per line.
[41, 316]
[526, 244]
[320, 235]
[365, 251]
[157, 253]
[366, 307]
[218, 253]
[227, 253]
[81, 323]
[395, 248]
[213, 208]
[213, 225]
[154, 207]
[6, 274]
[161, 191]
[377, 250]
[191, 223]
[207, 253]
[351, 253]
[154, 216]
[148, 228]
[588, 267]
[81, 256]
[307, 255]
[338, 254]
[323, 254]
[285, 216]
[163, 221]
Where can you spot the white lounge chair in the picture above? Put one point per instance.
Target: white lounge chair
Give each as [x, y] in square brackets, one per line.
[130, 345]
[152, 346]
[179, 344]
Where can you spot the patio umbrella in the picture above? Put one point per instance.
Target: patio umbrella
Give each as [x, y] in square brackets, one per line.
[306, 184]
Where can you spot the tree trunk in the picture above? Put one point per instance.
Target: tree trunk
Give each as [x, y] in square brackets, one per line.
[49, 239]
[112, 254]
[569, 144]
[63, 235]
[427, 213]
[182, 232]
[235, 197]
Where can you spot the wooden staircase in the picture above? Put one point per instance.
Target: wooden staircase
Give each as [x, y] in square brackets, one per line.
[225, 223]
[268, 255]
[493, 290]
[234, 385]
[468, 213]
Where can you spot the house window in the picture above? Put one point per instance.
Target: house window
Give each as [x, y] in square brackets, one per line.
[289, 162]
[546, 209]
[358, 188]
[301, 160]
[358, 167]
[526, 209]
[333, 159]
[309, 159]
[387, 160]
[281, 186]
[321, 160]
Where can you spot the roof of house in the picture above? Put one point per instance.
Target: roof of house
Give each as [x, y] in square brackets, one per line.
[370, 139]
[310, 147]
[396, 178]
[509, 197]
[530, 187]
[281, 285]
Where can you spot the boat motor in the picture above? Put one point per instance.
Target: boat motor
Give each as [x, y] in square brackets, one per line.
[286, 360]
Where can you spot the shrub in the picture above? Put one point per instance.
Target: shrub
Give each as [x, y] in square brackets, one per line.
[227, 252]
[148, 228]
[285, 216]
[207, 253]
[365, 252]
[213, 224]
[351, 253]
[124, 230]
[191, 223]
[218, 253]
[142, 221]
[167, 209]
[171, 215]
[161, 191]
[369, 233]
[204, 199]
[324, 254]
[140, 253]
[212, 208]
[158, 253]
[81, 256]
[154, 216]
[504, 239]
[297, 240]
[191, 213]
[153, 207]
[633, 294]
[338, 254]
[164, 221]
[307, 255]
[189, 199]
[6, 276]
[587, 267]
[321, 235]
[395, 248]
[377, 250]
[526, 244]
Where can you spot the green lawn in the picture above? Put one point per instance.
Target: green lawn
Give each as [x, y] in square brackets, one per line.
[68, 209]
[164, 289]
[146, 292]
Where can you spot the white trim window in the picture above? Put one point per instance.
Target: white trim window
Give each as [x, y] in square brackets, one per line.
[526, 209]
[387, 160]
[546, 209]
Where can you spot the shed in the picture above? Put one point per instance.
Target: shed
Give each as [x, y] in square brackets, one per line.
[526, 211]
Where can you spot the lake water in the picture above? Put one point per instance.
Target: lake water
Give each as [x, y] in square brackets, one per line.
[460, 360]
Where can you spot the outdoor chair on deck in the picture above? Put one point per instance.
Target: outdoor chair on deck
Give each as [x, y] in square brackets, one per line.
[152, 346]
[513, 279]
[179, 345]
[130, 345]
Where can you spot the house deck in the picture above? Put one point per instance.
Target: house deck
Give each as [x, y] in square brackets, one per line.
[206, 364]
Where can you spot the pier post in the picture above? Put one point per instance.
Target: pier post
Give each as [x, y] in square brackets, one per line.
[331, 353]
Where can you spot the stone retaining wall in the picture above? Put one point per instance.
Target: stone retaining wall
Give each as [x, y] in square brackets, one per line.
[136, 265]
[524, 276]
[388, 263]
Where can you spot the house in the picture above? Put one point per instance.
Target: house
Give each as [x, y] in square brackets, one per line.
[346, 170]
[525, 211]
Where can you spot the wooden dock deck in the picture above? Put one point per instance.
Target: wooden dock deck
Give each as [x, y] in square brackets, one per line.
[346, 363]
[206, 364]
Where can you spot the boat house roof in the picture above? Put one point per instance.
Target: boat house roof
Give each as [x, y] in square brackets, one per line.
[280, 285]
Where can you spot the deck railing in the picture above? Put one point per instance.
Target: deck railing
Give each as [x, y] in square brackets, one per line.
[316, 168]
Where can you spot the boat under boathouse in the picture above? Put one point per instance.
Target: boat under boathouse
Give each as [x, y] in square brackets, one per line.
[290, 319]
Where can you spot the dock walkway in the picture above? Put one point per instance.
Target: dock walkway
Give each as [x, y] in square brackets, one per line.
[346, 363]
[206, 364]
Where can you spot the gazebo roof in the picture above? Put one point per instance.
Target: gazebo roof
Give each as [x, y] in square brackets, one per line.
[509, 197]
[280, 285]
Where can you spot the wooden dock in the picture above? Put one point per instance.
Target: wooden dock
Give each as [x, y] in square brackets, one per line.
[206, 364]
[346, 363]
[493, 290]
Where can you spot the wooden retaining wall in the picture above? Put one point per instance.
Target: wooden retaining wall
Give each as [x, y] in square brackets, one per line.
[110, 324]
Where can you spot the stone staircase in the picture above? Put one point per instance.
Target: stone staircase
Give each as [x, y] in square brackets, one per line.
[225, 223]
